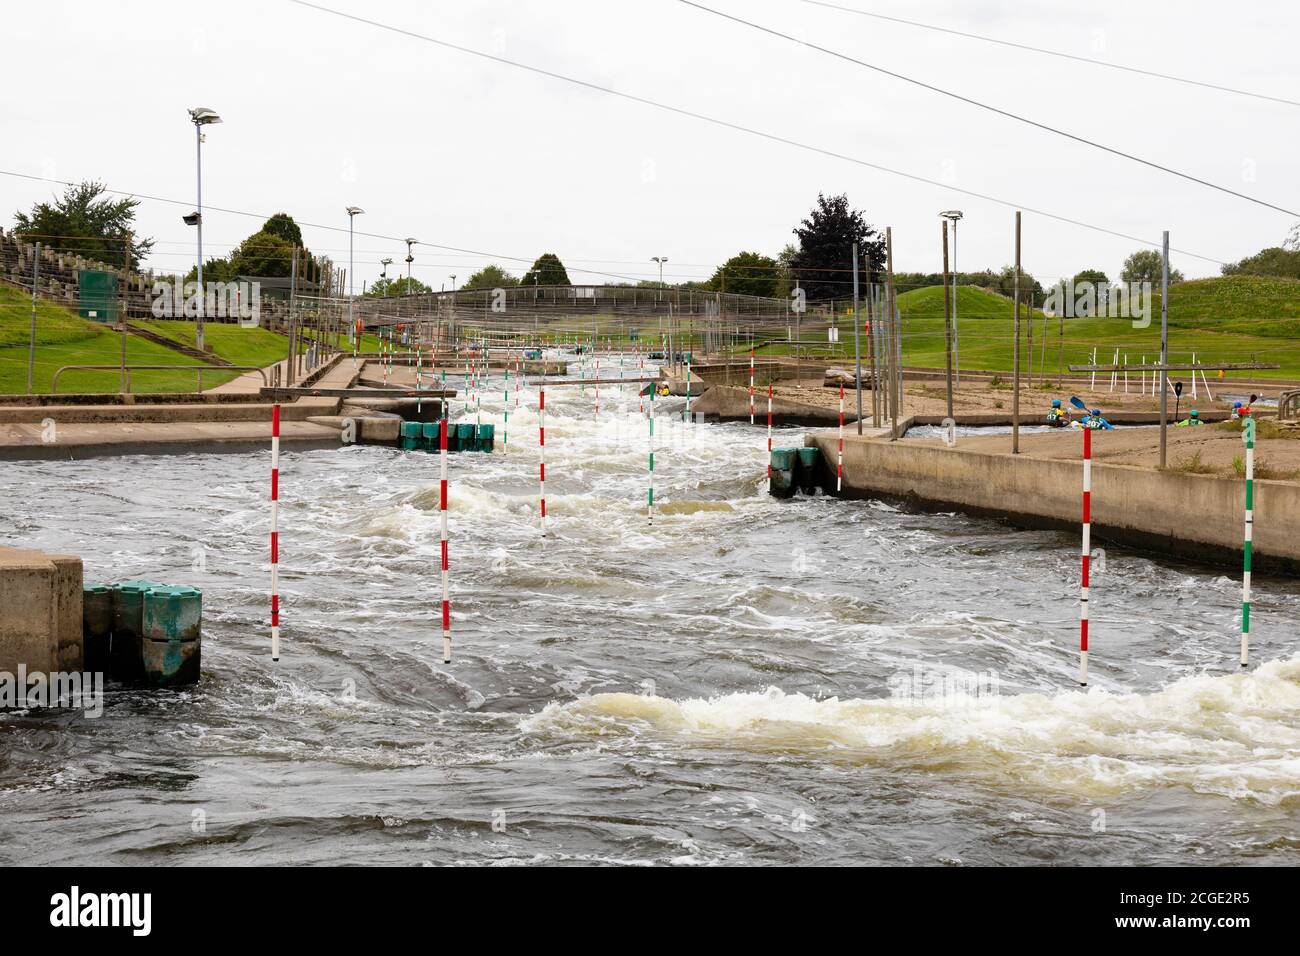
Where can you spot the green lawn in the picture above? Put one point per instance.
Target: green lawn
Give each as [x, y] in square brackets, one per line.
[63, 338]
[1237, 319]
[232, 342]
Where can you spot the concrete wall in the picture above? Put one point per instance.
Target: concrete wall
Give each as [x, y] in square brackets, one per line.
[731, 403]
[40, 625]
[1197, 516]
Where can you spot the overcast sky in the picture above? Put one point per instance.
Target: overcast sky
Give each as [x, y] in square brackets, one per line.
[322, 112]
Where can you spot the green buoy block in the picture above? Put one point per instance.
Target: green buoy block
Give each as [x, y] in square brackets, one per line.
[410, 434]
[128, 626]
[486, 437]
[808, 459]
[96, 627]
[432, 436]
[171, 640]
[783, 467]
[465, 437]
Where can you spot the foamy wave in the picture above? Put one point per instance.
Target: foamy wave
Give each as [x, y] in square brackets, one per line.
[1235, 735]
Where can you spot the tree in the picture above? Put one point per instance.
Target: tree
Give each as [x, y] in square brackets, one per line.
[395, 286]
[1147, 265]
[824, 263]
[547, 270]
[282, 225]
[491, 276]
[84, 224]
[1031, 289]
[1273, 261]
[263, 255]
[748, 273]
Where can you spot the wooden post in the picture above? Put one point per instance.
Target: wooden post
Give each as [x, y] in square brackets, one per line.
[896, 379]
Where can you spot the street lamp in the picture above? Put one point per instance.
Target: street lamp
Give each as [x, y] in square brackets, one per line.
[409, 259]
[200, 116]
[453, 282]
[385, 263]
[353, 212]
[953, 215]
[661, 260]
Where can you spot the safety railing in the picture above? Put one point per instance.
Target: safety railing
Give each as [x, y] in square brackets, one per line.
[128, 369]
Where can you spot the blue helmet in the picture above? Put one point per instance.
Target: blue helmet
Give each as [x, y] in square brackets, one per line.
[1056, 403]
[1096, 411]
[1236, 404]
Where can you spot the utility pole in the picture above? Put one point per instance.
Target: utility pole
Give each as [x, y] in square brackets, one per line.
[1015, 353]
[31, 346]
[409, 259]
[126, 266]
[952, 215]
[1164, 344]
[895, 391]
[290, 367]
[947, 317]
[857, 343]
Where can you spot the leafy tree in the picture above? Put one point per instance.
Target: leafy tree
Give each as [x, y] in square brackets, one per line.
[824, 263]
[261, 254]
[747, 273]
[394, 286]
[491, 276]
[282, 225]
[547, 270]
[86, 223]
[1273, 261]
[1147, 265]
[1031, 290]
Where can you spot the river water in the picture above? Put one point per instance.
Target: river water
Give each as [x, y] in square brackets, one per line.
[745, 681]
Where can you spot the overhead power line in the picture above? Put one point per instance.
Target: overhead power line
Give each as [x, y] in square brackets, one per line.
[727, 124]
[1057, 53]
[987, 106]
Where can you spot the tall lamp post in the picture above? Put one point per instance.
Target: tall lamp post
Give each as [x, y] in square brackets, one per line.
[409, 259]
[200, 116]
[661, 260]
[952, 215]
[353, 212]
[384, 264]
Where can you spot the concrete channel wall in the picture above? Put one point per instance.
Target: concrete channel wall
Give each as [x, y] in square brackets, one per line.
[40, 611]
[1195, 516]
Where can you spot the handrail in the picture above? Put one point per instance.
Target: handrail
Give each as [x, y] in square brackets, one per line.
[54, 384]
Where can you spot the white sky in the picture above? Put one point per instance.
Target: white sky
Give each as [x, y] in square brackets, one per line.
[322, 112]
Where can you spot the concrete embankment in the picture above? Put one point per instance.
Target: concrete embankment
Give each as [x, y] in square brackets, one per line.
[1188, 515]
[40, 611]
[730, 403]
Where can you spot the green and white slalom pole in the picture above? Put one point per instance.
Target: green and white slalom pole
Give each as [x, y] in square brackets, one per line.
[688, 388]
[505, 422]
[1248, 436]
[650, 490]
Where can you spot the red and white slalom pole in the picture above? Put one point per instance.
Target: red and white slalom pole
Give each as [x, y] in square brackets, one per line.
[275, 532]
[442, 507]
[541, 451]
[839, 462]
[751, 383]
[769, 436]
[1087, 553]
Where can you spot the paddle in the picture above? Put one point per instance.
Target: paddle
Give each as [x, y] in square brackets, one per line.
[1178, 397]
[1077, 402]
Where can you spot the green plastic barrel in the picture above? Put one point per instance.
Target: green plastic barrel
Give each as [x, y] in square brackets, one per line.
[128, 626]
[465, 437]
[96, 627]
[783, 468]
[486, 437]
[410, 435]
[807, 472]
[171, 641]
[432, 432]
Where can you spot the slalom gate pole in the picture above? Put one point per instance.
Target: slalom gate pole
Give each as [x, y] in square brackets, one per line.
[442, 507]
[839, 462]
[1087, 552]
[541, 451]
[751, 381]
[1248, 543]
[650, 489]
[505, 423]
[769, 436]
[275, 532]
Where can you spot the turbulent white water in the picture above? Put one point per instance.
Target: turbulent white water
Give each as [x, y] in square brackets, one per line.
[744, 680]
